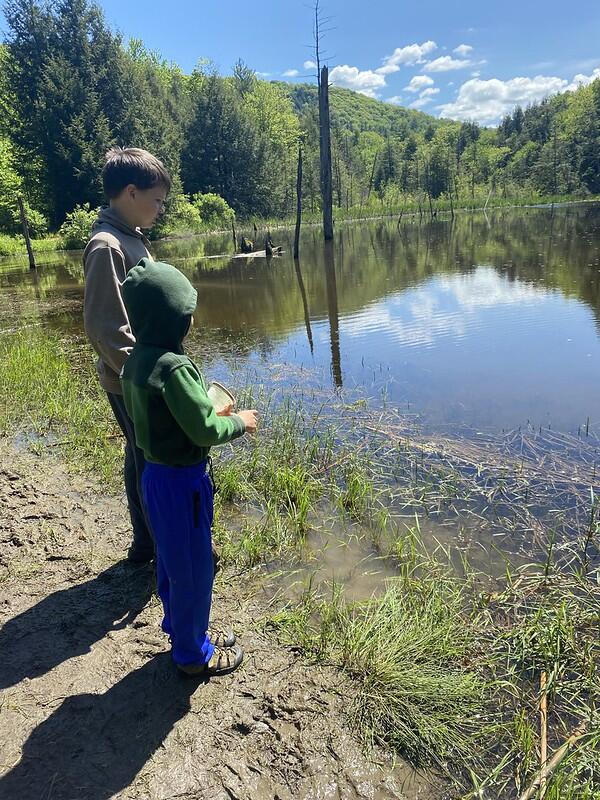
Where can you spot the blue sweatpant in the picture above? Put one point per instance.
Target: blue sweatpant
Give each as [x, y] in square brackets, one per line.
[179, 505]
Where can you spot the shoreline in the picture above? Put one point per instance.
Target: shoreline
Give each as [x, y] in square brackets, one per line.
[289, 223]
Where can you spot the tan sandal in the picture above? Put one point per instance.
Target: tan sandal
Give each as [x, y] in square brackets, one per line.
[221, 638]
[223, 661]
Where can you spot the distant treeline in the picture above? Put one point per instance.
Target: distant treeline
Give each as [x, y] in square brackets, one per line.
[70, 88]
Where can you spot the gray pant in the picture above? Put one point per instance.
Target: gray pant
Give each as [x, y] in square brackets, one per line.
[143, 543]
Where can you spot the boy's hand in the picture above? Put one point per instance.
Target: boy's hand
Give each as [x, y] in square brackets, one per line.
[250, 420]
[226, 412]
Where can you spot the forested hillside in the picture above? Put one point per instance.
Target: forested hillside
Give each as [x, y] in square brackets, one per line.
[70, 88]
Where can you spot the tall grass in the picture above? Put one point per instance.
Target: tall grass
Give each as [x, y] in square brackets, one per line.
[448, 675]
[49, 390]
[15, 245]
[408, 653]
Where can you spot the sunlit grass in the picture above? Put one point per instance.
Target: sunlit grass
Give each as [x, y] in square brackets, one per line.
[53, 400]
[449, 676]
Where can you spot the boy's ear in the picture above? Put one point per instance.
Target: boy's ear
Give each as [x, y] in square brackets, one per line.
[130, 190]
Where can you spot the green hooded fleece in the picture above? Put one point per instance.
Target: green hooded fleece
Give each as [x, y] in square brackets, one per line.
[165, 395]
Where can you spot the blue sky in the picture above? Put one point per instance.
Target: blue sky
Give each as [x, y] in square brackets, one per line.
[465, 60]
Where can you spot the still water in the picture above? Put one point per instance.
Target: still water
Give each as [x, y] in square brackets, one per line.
[489, 322]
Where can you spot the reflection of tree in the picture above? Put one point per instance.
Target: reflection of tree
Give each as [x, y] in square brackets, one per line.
[304, 304]
[332, 309]
[250, 307]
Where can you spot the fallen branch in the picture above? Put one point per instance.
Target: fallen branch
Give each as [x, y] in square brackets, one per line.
[547, 770]
[543, 732]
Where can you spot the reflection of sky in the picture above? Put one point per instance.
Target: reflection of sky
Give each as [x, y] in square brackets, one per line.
[447, 306]
[474, 348]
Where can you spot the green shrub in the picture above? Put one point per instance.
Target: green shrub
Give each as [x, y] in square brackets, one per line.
[36, 222]
[77, 227]
[180, 216]
[215, 212]
[10, 219]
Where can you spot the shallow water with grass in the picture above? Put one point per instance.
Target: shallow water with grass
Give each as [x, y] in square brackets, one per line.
[449, 359]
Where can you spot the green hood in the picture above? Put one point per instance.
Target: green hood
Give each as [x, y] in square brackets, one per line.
[160, 301]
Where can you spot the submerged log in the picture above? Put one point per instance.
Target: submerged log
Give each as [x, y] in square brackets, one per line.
[275, 253]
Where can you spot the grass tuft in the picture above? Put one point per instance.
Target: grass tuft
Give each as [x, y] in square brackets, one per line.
[406, 652]
[52, 398]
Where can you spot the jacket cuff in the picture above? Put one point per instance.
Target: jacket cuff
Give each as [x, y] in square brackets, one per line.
[240, 427]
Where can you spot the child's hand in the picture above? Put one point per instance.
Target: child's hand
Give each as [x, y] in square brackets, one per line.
[226, 412]
[250, 420]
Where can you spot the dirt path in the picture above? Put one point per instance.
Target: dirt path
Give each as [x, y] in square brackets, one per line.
[91, 706]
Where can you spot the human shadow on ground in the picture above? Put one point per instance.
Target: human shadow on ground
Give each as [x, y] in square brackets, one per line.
[93, 745]
[68, 622]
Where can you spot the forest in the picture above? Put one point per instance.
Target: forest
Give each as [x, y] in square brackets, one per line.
[70, 87]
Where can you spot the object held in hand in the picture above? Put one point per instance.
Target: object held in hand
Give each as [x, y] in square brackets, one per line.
[220, 396]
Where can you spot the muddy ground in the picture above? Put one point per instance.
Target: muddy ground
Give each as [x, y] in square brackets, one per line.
[91, 706]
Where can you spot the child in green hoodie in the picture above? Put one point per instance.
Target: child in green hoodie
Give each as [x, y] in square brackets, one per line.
[175, 426]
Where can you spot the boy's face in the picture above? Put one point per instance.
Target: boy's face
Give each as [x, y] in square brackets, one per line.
[144, 205]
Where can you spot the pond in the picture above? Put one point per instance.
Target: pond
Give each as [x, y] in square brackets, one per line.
[485, 324]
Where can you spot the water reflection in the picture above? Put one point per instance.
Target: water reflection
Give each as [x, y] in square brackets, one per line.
[309, 335]
[490, 320]
[332, 311]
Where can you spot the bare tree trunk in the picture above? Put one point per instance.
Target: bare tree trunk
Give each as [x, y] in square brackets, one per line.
[298, 205]
[371, 179]
[450, 182]
[325, 148]
[25, 227]
[474, 165]
[554, 165]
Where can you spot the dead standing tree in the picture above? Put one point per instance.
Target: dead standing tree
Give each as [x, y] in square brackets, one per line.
[298, 205]
[25, 226]
[324, 131]
[325, 146]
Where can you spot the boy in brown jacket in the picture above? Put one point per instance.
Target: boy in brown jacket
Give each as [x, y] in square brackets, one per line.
[136, 185]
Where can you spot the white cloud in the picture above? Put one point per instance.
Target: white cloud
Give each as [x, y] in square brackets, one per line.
[310, 65]
[420, 102]
[475, 74]
[429, 92]
[395, 100]
[363, 81]
[410, 55]
[446, 63]
[290, 73]
[463, 50]
[263, 74]
[488, 101]
[583, 80]
[418, 82]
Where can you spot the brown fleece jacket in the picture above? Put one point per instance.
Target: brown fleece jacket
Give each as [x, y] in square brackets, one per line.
[113, 249]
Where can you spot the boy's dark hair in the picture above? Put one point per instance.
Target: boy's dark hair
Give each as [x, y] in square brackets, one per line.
[132, 165]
